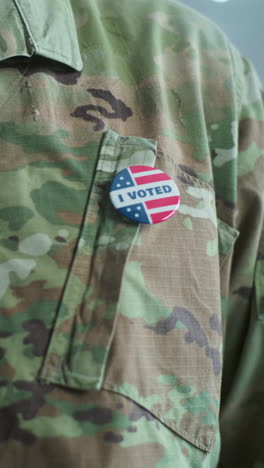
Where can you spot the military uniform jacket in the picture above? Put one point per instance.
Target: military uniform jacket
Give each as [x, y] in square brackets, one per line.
[126, 345]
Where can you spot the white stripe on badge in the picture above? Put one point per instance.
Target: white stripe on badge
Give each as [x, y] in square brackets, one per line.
[144, 173]
[142, 193]
[162, 208]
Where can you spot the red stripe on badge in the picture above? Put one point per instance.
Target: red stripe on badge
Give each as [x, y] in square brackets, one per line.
[162, 202]
[151, 178]
[135, 169]
[163, 216]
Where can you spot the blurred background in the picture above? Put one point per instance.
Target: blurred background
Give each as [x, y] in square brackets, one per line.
[242, 20]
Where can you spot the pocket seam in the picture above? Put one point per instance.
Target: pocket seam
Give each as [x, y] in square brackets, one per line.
[195, 436]
[186, 435]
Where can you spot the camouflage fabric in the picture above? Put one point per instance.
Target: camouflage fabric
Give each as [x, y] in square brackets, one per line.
[124, 345]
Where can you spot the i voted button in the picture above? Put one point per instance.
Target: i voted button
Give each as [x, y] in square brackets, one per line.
[144, 194]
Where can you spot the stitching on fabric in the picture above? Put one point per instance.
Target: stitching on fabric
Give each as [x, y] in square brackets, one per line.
[237, 79]
[117, 312]
[32, 37]
[57, 371]
[103, 150]
[24, 20]
[186, 434]
[12, 87]
[55, 53]
[222, 262]
[136, 145]
[234, 237]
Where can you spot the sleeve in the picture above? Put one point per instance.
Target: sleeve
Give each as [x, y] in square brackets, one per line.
[242, 403]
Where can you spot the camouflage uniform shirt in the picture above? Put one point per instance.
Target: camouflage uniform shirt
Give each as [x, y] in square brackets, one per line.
[125, 345]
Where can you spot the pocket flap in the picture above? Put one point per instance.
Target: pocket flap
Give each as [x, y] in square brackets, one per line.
[166, 352]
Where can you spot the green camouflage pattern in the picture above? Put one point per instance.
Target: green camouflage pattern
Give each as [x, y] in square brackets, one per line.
[125, 345]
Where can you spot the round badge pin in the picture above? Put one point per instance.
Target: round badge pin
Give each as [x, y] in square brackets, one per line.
[144, 194]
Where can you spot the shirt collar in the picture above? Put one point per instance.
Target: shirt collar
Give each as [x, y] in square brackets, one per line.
[45, 28]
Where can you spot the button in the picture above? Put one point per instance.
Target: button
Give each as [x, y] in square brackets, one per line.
[144, 194]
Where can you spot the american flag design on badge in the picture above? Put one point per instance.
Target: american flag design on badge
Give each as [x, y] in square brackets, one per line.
[144, 194]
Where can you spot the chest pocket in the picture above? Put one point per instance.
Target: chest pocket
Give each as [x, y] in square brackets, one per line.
[140, 314]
